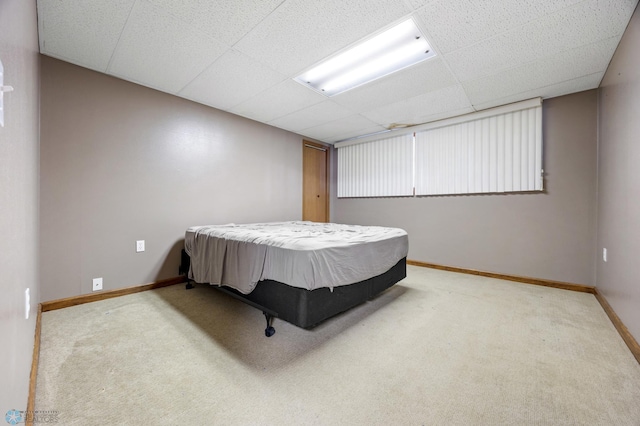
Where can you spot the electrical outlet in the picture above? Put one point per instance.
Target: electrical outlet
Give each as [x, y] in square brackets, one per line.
[139, 246]
[97, 284]
[604, 254]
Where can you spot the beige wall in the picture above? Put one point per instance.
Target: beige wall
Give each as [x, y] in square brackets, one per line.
[121, 162]
[547, 235]
[18, 200]
[619, 180]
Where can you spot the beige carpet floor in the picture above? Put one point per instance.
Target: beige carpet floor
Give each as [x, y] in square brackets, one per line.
[439, 348]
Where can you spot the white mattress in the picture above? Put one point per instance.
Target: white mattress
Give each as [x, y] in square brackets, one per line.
[301, 254]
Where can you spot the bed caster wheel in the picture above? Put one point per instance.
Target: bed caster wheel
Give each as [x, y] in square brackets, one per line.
[189, 286]
[269, 331]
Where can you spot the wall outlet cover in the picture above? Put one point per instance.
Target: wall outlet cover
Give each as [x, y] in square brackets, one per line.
[97, 284]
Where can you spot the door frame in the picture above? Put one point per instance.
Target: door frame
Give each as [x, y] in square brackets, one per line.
[327, 149]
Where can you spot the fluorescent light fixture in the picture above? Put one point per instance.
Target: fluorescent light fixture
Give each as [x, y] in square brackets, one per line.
[397, 48]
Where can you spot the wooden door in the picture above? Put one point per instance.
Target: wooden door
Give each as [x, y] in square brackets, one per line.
[315, 182]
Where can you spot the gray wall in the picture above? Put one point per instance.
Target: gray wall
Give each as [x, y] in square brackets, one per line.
[121, 162]
[18, 199]
[547, 235]
[619, 180]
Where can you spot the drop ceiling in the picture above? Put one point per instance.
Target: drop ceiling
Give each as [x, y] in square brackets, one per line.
[241, 55]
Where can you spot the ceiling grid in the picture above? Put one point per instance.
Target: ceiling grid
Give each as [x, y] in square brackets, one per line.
[242, 56]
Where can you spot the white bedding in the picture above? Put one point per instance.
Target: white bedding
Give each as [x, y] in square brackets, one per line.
[301, 254]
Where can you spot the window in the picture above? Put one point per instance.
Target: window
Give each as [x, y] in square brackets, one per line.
[382, 168]
[492, 151]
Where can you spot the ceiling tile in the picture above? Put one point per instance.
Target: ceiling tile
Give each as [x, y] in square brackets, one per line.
[583, 23]
[160, 51]
[414, 110]
[564, 88]
[355, 134]
[88, 42]
[314, 115]
[300, 33]
[417, 4]
[226, 21]
[459, 23]
[354, 124]
[548, 71]
[428, 118]
[278, 101]
[496, 52]
[424, 77]
[230, 80]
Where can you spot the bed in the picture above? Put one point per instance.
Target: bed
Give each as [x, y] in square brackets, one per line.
[301, 272]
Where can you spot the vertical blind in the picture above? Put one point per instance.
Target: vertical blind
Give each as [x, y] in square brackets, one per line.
[502, 153]
[492, 151]
[382, 168]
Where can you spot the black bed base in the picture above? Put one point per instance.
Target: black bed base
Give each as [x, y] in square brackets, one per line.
[307, 308]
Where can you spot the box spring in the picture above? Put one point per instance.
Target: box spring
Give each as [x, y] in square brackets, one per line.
[307, 308]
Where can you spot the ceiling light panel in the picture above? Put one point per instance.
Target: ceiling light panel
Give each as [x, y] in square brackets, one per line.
[396, 48]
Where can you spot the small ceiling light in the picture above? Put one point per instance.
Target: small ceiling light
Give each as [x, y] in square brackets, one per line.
[397, 48]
